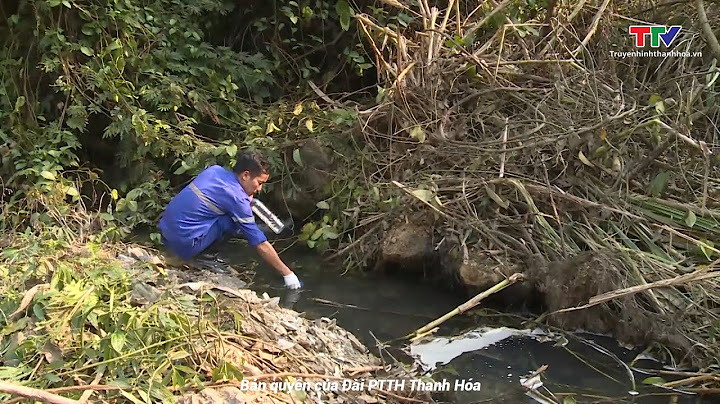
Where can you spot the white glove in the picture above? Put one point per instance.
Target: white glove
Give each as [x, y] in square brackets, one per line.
[292, 281]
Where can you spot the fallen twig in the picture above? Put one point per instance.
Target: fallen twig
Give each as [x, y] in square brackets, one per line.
[593, 28]
[35, 394]
[93, 387]
[615, 294]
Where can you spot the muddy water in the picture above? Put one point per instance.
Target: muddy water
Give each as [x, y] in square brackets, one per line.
[379, 309]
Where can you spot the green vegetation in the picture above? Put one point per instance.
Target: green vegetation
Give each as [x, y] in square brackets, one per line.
[70, 315]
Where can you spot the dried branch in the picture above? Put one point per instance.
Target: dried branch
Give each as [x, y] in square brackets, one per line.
[705, 25]
[35, 394]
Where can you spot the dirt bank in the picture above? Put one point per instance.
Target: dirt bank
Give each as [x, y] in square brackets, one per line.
[548, 287]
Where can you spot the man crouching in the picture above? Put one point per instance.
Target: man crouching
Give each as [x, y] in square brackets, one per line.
[217, 204]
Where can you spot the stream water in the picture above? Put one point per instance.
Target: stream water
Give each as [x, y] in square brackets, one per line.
[580, 368]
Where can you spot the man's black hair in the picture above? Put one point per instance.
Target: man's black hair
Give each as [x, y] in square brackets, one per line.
[251, 161]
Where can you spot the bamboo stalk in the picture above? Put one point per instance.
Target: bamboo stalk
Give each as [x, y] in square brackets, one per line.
[468, 305]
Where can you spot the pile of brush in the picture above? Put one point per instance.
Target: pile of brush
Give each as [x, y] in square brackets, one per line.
[539, 139]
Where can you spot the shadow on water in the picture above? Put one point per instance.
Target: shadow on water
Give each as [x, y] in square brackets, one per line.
[583, 368]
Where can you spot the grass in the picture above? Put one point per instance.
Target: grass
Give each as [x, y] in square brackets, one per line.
[69, 317]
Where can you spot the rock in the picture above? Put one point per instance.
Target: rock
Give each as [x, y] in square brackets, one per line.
[143, 293]
[406, 247]
[223, 395]
[225, 280]
[476, 272]
[479, 273]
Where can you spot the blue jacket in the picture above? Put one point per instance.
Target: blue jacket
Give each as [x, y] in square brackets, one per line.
[212, 205]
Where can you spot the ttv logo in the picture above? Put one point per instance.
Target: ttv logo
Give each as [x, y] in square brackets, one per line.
[656, 32]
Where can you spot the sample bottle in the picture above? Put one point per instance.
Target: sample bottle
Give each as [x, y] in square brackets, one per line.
[262, 211]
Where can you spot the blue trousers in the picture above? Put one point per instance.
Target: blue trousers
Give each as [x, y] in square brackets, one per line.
[222, 228]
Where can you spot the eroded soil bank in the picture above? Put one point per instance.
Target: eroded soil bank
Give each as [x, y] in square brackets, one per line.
[549, 287]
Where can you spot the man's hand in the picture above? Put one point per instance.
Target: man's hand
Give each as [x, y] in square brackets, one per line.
[268, 253]
[292, 281]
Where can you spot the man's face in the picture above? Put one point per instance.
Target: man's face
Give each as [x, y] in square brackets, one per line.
[251, 184]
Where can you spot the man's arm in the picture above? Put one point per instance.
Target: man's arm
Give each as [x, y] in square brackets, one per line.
[241, 213]
[268, 253]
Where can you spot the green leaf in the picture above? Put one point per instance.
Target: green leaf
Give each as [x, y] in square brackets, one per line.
[450, 370]
[177, 379]
[424, 195]
[131, 397]
[70, 190]
[659, 184]
[117, 341]
[296, 157]
[654, 99]
[39, 311]
[469, 38]
[654, 380]
[417, 133]
[116, 44]
[345, 12]
[47, 175]
[306, 231]
[19, 103]
[52, 377]
[660, 107]
[231, 150]
[706, 247]
[132, 205]
[323, 205]
[174, 356]
[66, 3]
[76, 122]
[299, 395]
[690, 219]
[569, 400]
[657, 101]
[330, 234]
[86, 51]
[316, 235]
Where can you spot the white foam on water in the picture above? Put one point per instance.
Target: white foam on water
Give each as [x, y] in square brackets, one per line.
[442, 350]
